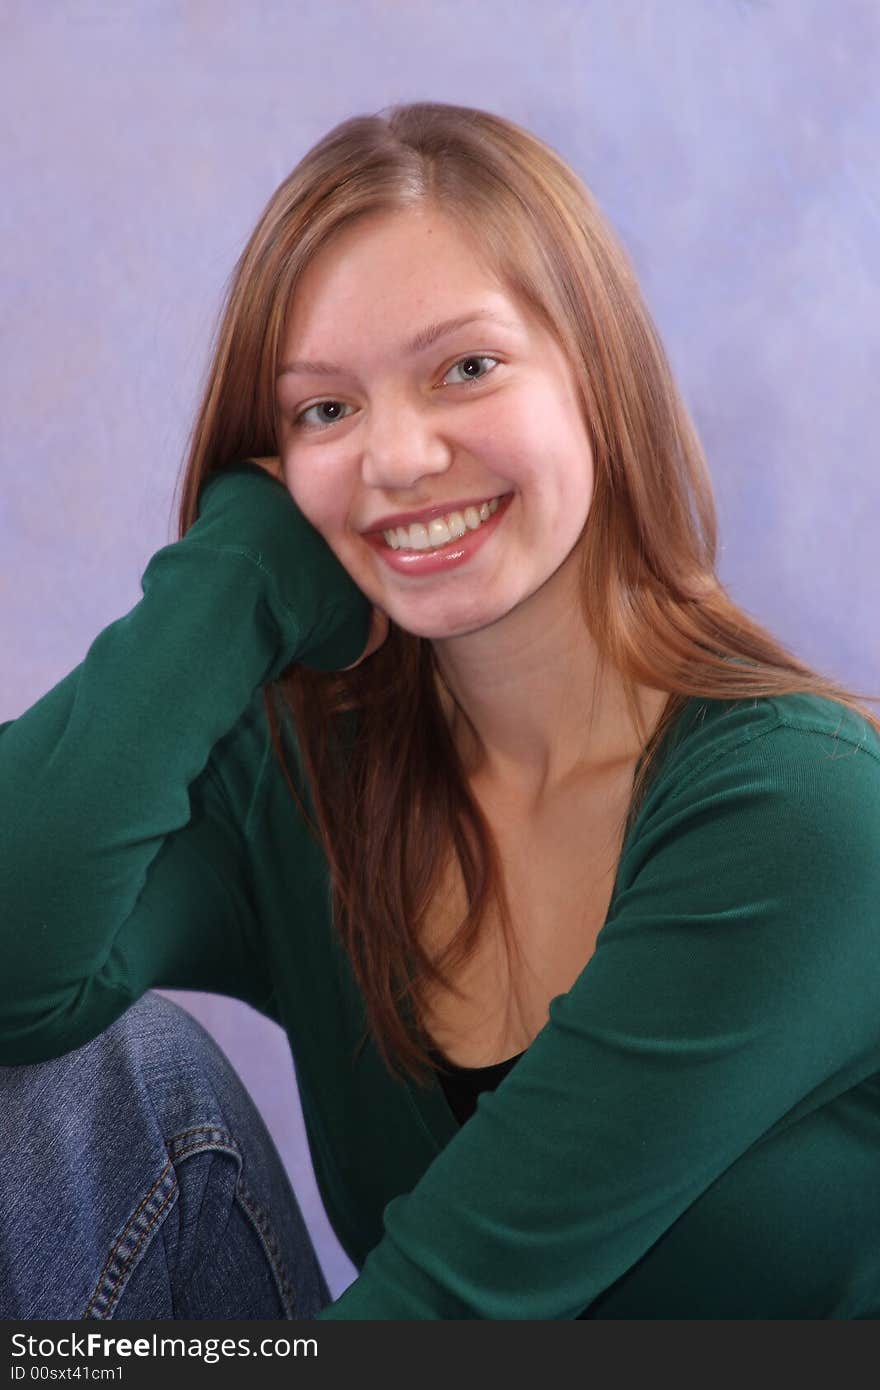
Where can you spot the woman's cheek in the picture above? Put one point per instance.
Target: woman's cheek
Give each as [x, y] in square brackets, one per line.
[306, 498]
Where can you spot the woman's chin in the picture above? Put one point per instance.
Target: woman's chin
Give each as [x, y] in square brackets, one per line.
[437, 627]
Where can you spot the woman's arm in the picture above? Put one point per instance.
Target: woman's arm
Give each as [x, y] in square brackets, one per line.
[121, 866]
[735, 989]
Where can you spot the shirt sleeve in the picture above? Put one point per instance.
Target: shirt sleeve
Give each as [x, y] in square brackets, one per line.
[122, 862]
[734, 986]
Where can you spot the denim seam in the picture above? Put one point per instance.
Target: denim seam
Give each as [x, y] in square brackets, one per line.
[204, 1137]
[265, 1234]
[123, 1257]
[218, 1139]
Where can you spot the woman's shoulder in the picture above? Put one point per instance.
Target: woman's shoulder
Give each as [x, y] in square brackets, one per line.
[762, 806]
[779, 757]
[710, 729]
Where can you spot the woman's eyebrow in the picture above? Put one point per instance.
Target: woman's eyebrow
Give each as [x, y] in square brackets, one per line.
[424, 339]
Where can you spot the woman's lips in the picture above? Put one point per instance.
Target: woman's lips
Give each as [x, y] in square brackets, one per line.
[427, 514]
[445, 557]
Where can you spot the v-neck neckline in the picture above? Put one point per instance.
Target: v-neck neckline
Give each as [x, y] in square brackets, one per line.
[429, 1103]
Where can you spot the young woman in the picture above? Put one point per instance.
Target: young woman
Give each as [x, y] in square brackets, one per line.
[436, 738]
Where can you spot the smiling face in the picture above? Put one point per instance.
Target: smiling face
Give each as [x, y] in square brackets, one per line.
[488, 410]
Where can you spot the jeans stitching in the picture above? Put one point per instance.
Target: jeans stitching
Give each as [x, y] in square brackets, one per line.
[208, 1137]
[114, 1275]
[260, 1222]
[118, 1265]
[219, 1139]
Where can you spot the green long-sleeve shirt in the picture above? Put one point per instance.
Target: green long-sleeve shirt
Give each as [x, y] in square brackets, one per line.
[695, 1133]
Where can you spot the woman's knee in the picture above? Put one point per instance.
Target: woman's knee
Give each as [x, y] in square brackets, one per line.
[142, 1182]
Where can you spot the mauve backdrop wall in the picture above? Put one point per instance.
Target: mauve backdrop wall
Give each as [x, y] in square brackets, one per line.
[733, 145]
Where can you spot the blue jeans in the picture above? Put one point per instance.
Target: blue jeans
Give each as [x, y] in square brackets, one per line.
[138, 1180]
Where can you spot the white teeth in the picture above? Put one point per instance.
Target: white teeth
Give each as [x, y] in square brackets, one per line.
[441, 530]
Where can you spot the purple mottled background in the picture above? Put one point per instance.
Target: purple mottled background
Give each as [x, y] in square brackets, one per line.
[733, 143]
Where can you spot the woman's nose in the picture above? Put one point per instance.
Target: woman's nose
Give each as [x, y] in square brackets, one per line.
[401, 448]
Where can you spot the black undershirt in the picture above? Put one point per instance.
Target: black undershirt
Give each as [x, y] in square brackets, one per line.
[462, 1085]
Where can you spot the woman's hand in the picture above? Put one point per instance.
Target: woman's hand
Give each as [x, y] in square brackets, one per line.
[379, 621]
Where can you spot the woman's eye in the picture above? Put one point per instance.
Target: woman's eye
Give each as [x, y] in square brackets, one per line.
[464, 361]
[300, 421]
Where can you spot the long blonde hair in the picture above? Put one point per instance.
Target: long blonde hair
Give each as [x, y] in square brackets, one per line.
[390, 812]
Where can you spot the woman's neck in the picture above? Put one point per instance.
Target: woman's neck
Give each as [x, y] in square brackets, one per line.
[528, 704]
